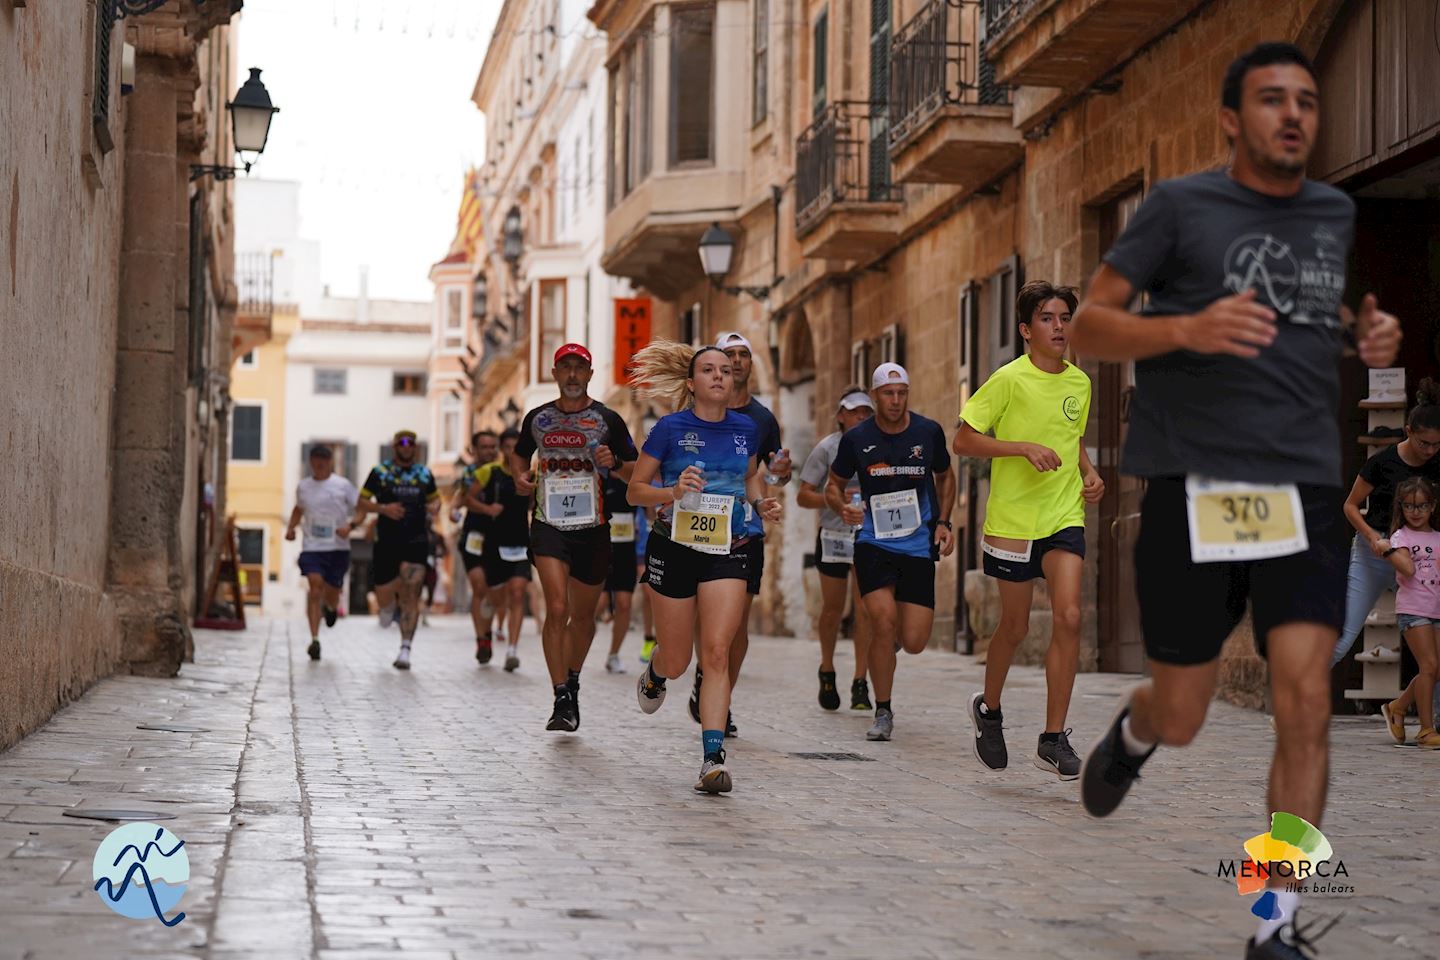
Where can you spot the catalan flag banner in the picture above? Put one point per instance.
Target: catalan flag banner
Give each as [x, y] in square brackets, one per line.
[469, 229]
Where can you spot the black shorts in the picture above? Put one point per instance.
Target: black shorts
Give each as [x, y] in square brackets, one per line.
[498, 571]
[754, 550]
[587, 552]
[675, 571]
[912, 577]
[1070, 539]
[838, 571]
[331, 565]
[385, 564]
[623, 576]
[471, 560]
[1188, 609]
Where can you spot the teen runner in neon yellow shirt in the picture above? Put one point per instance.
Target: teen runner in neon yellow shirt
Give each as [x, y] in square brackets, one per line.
[1035, 518]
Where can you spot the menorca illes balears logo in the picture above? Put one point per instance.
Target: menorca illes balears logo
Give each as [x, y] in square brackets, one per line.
[1294, 851]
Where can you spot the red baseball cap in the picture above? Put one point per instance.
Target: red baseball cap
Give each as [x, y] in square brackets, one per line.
[573, 350]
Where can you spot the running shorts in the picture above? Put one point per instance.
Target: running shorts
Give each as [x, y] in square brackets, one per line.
[385, 565]
[676, 571]
[1070, 539]
[587, 552]
[912, 577]
[330, 564]
[754, 563]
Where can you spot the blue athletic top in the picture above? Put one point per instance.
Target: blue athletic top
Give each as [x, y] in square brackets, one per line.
[680, 439]
[890, 462]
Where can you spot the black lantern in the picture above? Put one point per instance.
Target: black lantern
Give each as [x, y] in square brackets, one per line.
[479, 297]
[251, 113]
[716, 249]
[512, 239]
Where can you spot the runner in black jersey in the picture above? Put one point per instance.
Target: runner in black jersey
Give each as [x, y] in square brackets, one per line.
[485, 446]
[579, 441]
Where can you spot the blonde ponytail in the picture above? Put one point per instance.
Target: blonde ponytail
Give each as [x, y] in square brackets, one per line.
[659, 371]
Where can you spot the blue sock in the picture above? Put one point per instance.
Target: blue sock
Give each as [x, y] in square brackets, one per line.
[712, 740]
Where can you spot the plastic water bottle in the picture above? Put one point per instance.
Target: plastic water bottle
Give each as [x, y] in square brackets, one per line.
[770, 477]
[691, 499]
[858, 504]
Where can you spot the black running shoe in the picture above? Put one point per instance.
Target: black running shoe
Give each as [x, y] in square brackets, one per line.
[989, 735]
[695, 698]
[330, 614]
[829, 696]
[314, 650]
[860, 695]
[1057, 756]
[730, 729]
[484, 648]
[565, 717]
[574, 684]
[1290, 942]
[1109, 771]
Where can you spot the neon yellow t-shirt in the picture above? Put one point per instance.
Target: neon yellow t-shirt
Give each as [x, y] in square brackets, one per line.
[1023, 403]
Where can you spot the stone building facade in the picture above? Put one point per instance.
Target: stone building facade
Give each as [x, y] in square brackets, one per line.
[894, 172]
[117, 312]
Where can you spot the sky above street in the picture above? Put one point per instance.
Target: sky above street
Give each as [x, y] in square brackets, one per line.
[376, 124]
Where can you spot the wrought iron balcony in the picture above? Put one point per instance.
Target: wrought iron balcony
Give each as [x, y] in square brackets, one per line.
[843, 158]
[255, 280]
[936, 60]
[1000, 15]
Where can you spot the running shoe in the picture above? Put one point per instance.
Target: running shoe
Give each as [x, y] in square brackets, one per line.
[512, 661]
[860, 695]
[613, 664]
[649, 693]
[484, 648]
[1058, 757]
[829, 696]
[647, 649]
[989, 735]
[565, 717]
[695, 698]
[1428, 740]
[714, 778]
[730, 729]
[1109, 771]
[1290, 942]
[387, 616]
[1395, 720]
[313, 649]
[330, 615]
[884, 726]
[402, 662]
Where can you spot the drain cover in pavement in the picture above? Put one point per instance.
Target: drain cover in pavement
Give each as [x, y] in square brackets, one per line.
[833, 756]
[88, 813]
[172, 727]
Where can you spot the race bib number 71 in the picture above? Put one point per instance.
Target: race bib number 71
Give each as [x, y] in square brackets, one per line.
[1243, 521]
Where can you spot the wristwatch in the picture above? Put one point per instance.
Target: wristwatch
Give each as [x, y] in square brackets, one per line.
[947, 525]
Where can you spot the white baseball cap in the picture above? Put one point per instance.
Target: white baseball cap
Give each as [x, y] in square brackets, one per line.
[733, 339]
[887, 374]
[856, 399]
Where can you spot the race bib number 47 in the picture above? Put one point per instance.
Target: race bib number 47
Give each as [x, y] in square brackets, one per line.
[1243, 521]
[570, 501]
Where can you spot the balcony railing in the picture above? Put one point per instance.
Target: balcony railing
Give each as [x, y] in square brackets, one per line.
[936, 60]
[255, 279]
[843, 157]
[1000, 15]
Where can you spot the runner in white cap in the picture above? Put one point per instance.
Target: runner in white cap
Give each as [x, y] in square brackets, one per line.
[835, 555]
[907, 490]
[775, 469]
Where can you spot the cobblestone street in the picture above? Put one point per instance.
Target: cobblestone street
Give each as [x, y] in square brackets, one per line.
[347, 810]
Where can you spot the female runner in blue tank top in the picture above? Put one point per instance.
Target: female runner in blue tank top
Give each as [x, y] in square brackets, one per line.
[695, 562]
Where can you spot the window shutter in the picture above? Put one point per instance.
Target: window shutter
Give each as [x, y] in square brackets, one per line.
[100, 101]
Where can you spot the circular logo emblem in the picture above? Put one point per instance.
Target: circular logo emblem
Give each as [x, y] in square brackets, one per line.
[1071, 406]
[141, 871]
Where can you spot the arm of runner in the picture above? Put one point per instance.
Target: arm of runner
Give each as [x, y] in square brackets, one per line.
[1093, 489]
[1400, 558]
[769, 508]
[970, 442]
[524, 478]
[640, 493]
[295, 517]
[809, 497]
[945, 489]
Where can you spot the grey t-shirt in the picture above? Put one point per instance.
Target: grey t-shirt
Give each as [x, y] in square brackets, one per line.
[1273, 419]
[816, 472]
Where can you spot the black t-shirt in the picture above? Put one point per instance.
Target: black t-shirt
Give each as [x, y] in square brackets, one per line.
[475, 521]
[567, 442]
[412, 486]
[767, 430]
[617, 493]
[1384, 471]
[1272, 419]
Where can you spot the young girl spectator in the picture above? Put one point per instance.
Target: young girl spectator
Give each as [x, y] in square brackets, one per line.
[1413, 550]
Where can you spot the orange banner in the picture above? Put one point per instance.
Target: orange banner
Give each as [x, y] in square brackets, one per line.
[632, 331]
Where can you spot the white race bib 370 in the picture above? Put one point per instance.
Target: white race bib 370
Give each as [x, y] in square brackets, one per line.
[896, 515]
[1232, 521]
[570, 502]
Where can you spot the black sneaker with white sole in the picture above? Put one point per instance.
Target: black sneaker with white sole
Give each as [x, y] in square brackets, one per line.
[1057, 756]
[1109, 770]
[730, 728]
[313, 649]
[565, 717]
[829, 696]
[860, 695]
[989, 735]
[331, 615]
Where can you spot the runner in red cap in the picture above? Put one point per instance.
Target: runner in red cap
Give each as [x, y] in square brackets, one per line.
[579, 441]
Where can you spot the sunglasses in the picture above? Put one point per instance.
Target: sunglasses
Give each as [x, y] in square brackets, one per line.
[404, 442]
[1418, 507]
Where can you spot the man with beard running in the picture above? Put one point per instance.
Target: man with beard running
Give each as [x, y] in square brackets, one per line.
[1235, 426]
[402, 491]
[775, 471]
[579, 441]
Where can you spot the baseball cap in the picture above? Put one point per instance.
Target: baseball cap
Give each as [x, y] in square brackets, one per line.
[856, 399]
[573, 350]
[733, 339]
[889, 373]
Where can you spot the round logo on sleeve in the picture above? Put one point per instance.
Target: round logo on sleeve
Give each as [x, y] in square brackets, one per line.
[1071, 406]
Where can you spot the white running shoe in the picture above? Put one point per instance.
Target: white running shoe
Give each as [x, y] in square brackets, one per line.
[387, 616]
[650, 695]
[402, 662]
[613, 664]
[714, 778]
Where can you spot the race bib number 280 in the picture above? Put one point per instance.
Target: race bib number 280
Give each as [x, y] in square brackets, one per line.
[1243, 521]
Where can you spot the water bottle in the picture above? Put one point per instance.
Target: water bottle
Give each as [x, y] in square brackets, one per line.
[858, 504]
[770, 478]
[691, 499]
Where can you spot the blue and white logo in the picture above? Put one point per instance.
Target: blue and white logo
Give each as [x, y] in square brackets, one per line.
[141, 871]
